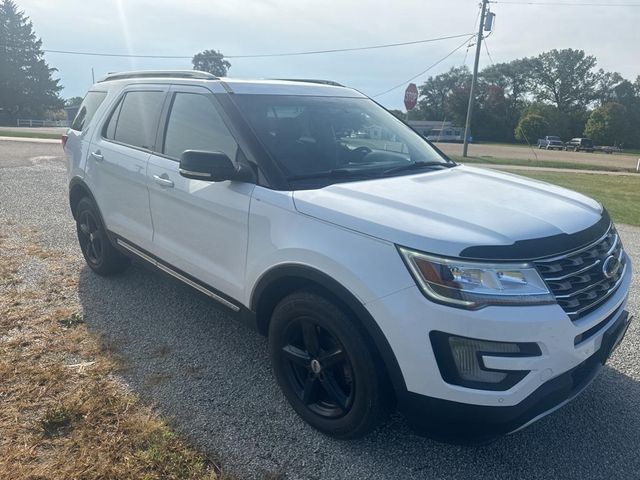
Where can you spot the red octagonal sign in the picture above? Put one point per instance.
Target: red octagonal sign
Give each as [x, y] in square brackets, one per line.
[411, 96]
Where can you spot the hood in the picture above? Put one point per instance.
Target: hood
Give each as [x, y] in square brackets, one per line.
[462, 211]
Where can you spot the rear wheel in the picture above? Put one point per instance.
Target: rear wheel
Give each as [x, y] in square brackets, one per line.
[325, 366]
[100, 255]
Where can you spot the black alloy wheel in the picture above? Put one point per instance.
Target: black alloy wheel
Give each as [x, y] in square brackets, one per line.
[89, 237]
[326, 367]
[101, 256]
[318, 368]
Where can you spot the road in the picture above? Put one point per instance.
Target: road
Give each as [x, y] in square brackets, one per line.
[211, 377]
[524, 153]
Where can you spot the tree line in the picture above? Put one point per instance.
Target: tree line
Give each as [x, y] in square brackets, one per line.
[560, 92]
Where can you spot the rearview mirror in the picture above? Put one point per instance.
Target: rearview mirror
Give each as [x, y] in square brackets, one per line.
[212, 167]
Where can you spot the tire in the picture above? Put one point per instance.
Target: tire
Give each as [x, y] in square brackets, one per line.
[98, 252]
[325, 366]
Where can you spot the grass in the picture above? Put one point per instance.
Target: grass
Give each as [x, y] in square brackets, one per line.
[63, 412]
[536, 163]
[619, 194]
[35, 134]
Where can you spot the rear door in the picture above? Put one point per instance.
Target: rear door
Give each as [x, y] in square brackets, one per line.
[117, 163]
[200, 227]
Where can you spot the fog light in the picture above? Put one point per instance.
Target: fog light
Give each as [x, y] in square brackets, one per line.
[467, 358]
[460, 361]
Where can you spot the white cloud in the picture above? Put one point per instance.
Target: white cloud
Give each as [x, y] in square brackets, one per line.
[167, 27]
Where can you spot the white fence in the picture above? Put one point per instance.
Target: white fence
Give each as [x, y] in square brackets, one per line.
[42, 123]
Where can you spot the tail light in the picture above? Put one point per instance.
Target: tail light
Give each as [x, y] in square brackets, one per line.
[64, 139]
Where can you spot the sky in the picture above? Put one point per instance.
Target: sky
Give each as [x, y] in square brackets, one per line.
[245, 27]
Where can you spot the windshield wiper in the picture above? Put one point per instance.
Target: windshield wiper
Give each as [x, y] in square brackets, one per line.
[335, 173]
[416, 166]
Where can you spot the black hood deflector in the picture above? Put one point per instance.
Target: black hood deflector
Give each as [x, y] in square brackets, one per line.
[540, 247]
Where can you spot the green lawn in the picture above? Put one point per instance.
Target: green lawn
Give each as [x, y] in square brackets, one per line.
[535, 163]
[35, 134]
[619, 194]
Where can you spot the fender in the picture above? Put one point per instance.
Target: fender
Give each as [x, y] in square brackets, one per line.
[78, 188]
[284, 277]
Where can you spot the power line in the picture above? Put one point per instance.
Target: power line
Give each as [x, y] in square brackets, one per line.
[427, 69]
[486, 48]
[567, 4]
[262, 55]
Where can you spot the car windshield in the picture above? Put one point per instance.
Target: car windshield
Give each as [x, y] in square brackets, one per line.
[322, 140]
[554, 138]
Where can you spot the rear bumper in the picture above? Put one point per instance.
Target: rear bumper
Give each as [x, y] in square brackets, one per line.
[454, 421]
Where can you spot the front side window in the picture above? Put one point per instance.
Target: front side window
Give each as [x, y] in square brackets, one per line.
[135, 120]
[329, 139]
[87, 110]
[195, 124]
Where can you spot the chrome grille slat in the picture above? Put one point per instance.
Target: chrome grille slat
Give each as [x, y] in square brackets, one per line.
[579, 288]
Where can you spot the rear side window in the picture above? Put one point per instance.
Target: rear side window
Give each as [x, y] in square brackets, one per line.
[88, 109]
[195, 124]
[135, 119]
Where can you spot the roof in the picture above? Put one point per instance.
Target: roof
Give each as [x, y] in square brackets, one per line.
[232, 85]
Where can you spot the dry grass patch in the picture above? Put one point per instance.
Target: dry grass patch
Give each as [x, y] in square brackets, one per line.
[63, 413]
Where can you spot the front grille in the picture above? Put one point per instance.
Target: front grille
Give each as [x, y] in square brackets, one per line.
[577, 279]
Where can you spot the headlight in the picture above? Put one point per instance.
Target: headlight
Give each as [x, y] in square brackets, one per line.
[474, 285]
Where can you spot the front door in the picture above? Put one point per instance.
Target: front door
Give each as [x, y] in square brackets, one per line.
[199, 227]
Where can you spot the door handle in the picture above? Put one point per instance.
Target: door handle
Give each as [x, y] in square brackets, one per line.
[163, 181]
[97, 156]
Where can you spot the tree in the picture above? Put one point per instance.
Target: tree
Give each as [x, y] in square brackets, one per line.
[211, 61]
[27, 88]
[513, 79]
[444, 97]
[606, 86]
[531, 127]
[565, 78]
[399, 114]
[607, 125]
[73, 102]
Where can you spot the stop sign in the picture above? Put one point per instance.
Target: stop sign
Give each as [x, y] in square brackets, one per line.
[411, 96]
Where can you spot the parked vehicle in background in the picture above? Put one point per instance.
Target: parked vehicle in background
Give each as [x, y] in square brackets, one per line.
[385, 275]
[550, 142]
[451, 135]
[608, 149]
[580, 145]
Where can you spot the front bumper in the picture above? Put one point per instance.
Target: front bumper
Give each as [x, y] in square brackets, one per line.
[571, 356]
[449, 420]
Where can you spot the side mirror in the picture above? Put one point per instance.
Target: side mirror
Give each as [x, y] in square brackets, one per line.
[212, 167]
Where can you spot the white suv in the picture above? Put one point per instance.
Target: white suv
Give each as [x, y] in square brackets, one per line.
[384, 274]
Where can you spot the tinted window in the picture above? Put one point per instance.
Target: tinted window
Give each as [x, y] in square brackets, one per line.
[194, 124]
[88, 109]
[313, 136]
[135, 120]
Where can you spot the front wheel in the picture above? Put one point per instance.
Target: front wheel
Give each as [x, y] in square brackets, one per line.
[325, 366]
[96, 247]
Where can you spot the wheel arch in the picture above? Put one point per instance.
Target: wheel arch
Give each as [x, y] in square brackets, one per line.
[283, 280]
[78, 189]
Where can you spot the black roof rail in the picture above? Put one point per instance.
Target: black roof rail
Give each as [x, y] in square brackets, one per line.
[194, 74]
[311, 80]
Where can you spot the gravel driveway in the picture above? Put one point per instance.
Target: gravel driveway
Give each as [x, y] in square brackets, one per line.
[211, 377]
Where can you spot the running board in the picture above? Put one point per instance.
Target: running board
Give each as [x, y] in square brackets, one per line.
[177, 275]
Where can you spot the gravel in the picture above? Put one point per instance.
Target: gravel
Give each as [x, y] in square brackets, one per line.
[210, 376]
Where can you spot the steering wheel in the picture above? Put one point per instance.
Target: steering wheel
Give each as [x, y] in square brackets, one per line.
[361, 152]
[363, 149]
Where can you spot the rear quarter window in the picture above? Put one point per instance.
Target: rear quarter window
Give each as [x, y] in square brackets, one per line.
[134, 121]
[87, 110]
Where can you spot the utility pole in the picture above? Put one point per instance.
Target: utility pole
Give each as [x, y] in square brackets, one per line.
[472, 94]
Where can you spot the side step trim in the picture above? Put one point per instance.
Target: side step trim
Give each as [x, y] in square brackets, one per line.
[177, 275]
